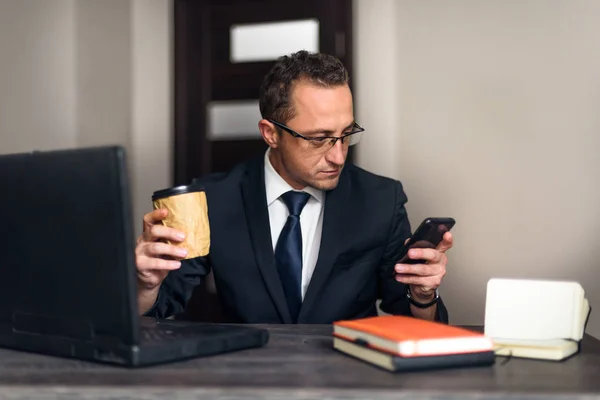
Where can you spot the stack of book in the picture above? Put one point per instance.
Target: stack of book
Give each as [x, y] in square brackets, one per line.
[402, 343]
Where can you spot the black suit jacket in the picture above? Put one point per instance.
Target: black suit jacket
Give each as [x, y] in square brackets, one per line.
[364, 228]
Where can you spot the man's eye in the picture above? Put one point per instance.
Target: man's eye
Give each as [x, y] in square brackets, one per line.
[318, 142]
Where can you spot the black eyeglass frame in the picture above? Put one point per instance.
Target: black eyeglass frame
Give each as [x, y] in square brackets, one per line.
[333, 139]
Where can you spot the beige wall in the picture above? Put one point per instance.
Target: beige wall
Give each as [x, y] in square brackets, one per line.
[152, 127]
[37, 66]
[103, 48]
[88, 73]
[496, 123]
[375, 79]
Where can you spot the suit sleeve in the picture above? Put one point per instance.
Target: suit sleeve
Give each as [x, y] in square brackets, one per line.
[393, 293]
[178, 286]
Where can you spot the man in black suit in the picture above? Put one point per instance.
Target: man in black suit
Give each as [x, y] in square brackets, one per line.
[297, 236]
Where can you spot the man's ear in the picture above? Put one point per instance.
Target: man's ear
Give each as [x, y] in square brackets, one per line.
[269, 133]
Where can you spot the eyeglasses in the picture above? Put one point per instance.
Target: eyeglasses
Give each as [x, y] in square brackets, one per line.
[320, 141]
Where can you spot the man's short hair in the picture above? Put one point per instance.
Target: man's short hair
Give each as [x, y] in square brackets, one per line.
[316, 68]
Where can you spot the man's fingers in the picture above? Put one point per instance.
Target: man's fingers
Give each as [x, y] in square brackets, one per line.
[158, 249]
[149, 264]
[424, 281]
[427, 255]
[446, 243]
[155, 216]
[428, 274]
[150, 219]
[161, 232]
[154, 258]
[417, 269]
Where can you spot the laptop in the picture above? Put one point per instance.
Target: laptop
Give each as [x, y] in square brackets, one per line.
[68, 284]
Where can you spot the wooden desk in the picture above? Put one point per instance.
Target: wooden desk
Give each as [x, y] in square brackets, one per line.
[298, 362]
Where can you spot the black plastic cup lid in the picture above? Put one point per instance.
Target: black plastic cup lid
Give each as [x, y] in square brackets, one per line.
[161, 194]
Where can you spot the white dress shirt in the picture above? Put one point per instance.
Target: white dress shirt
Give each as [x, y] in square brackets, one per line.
[311, 218]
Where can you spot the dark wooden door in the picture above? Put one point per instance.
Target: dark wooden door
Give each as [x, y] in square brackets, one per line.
[213, 78]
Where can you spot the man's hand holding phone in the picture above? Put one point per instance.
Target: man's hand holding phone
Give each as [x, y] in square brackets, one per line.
[424, 278]
[423, 264]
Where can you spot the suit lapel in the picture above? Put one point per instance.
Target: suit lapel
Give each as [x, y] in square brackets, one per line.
[257, 218]
[333, 227]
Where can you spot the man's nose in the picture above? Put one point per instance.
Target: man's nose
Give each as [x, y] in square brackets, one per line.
[337, 154]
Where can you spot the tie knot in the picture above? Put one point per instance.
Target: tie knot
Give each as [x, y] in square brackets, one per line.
[295, 201]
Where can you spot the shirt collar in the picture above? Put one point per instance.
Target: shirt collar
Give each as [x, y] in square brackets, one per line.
[275, 185]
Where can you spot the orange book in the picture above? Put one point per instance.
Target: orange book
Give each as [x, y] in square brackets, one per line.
[411, 337]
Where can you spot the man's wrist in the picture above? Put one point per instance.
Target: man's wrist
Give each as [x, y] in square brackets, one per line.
[420, 298]
[147, 299]
[421, 295]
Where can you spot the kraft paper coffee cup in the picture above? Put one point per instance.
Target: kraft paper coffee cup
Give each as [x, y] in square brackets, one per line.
[188, 212]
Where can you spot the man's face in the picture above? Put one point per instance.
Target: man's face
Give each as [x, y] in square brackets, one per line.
[319, 112]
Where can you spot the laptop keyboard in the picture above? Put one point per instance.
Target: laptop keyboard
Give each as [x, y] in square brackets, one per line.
[159, 332]
[162, 334]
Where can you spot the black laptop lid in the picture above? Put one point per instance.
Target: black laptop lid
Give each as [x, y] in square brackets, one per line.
[67, 244]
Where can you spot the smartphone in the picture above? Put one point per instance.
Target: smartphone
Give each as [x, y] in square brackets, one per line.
[428, 235]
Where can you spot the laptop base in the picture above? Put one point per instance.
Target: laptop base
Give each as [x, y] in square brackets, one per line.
[162, 341]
